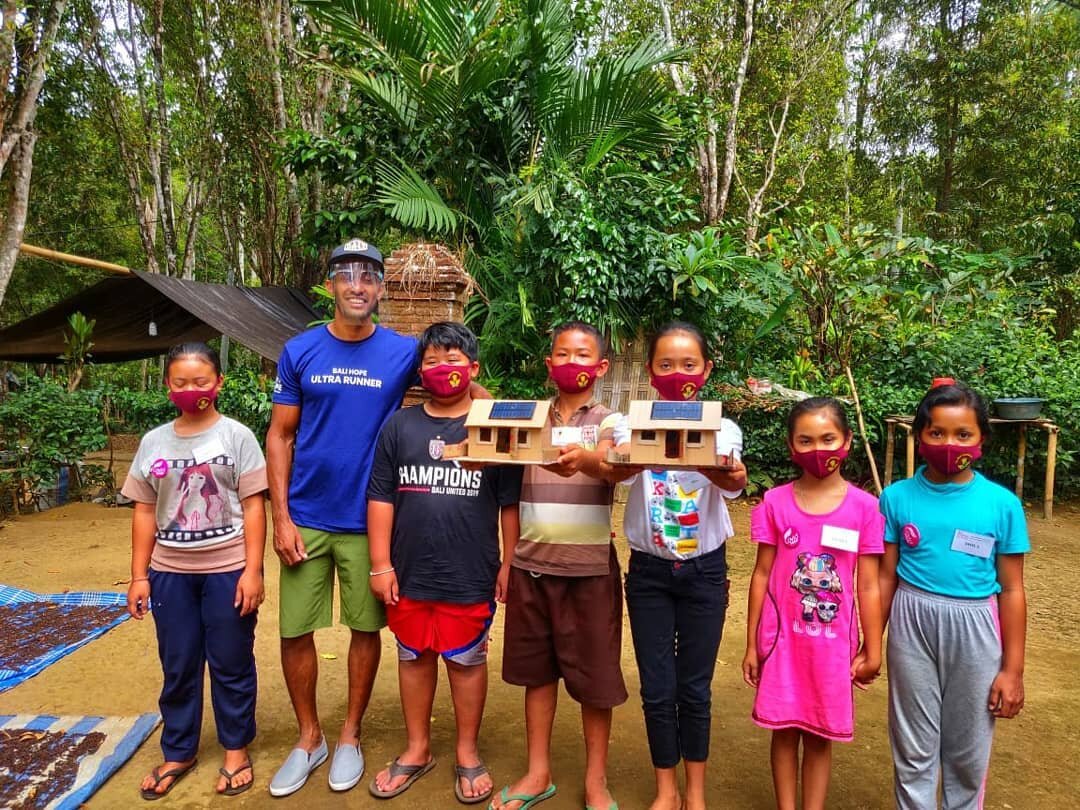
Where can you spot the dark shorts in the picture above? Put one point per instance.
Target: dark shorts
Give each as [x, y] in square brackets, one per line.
[569, 628]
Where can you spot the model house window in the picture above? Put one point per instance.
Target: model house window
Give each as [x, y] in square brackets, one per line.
[523, 437]
[485, 436]
[648, 437]
[693, 438]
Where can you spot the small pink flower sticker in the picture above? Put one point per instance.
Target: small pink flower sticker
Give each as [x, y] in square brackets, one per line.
[159, 468]
[791, 537]
[911, 534]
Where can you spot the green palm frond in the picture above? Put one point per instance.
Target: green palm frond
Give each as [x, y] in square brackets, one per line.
[453, 27]
[617, 103]
[412, 201]
[390, 27]
[386, 90]
[439, 52]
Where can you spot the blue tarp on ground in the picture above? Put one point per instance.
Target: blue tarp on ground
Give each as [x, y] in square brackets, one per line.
[65, 759]
[26, 653]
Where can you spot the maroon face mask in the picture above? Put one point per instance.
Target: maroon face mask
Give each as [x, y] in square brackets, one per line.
[445, 380]
[950, 459]
[820, 463]
[573, 378]
[678, 386]
[193, 402]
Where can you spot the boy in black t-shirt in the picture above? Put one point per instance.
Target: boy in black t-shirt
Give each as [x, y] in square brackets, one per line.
[433, 529]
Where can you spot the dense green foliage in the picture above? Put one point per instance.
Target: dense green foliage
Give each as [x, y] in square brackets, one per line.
[42, 428]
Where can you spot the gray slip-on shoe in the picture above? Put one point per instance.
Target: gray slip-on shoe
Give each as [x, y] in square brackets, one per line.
[346, 767]
[292, 775]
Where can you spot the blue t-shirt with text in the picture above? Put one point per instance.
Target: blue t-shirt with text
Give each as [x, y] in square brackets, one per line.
[943, 530]
[346, 390]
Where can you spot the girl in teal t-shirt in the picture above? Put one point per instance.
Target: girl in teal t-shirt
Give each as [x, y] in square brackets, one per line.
[952, 588]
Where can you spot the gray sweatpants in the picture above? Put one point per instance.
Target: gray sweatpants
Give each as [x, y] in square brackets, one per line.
[943, 655]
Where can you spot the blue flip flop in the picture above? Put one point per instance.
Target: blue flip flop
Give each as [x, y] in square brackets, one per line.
[528, 800]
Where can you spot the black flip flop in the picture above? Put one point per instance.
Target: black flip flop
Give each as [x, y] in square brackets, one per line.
[151, 794]
[411, 772]
[229, 775]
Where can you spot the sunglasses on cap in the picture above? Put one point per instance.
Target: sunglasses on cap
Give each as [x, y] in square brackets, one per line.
[356, 272]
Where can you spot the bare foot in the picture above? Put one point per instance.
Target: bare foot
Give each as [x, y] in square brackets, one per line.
[383, 780]
[235, 762]
[151, 782]
[528, 785]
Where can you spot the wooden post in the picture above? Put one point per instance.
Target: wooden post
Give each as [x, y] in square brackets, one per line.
[910, 447]
[1021, 453]
[862, 430]
[890, 449]
[1051, 460]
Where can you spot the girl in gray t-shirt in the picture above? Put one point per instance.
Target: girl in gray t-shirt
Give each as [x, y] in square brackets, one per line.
[197, 540]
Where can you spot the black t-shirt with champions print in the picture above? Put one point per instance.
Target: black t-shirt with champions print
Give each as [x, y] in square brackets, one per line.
[445, 542]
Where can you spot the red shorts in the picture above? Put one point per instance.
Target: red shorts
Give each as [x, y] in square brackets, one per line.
[450, 629]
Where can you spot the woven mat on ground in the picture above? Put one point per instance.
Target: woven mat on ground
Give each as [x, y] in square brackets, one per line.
[37, 630]
[58, 762]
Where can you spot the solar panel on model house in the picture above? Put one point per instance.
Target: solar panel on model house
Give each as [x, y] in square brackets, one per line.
[688, 411]
[512, 410]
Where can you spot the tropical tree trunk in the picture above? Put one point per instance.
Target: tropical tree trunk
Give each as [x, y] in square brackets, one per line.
[27, 46]
[756, 201]
[21, 164]
[730, 144]
[276, 25]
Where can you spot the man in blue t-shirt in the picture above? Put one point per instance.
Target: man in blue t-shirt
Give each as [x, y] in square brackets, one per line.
[337, 385]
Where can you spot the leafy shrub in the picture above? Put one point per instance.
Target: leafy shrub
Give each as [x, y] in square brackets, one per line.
[42, 427]
[134, 411]
[246, 397]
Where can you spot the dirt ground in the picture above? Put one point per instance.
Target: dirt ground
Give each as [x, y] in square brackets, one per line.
[85, 547]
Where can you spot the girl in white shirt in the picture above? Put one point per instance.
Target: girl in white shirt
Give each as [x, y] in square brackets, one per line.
[677, 587]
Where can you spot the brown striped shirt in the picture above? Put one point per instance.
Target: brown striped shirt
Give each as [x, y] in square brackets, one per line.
[566, 522]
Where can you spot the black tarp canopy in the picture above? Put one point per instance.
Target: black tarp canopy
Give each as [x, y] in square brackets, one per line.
[261, 318]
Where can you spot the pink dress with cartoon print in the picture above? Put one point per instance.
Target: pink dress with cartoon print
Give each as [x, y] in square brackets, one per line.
[809, 630]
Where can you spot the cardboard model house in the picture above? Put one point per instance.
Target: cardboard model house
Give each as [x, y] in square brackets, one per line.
[510, 431]
[673, 434]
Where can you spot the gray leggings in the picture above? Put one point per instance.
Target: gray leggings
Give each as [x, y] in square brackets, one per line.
[943, 655]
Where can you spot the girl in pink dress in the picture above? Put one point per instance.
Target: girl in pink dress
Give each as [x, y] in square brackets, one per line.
[802, 640]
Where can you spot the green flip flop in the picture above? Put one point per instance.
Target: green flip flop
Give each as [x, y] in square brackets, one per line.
[528, 800]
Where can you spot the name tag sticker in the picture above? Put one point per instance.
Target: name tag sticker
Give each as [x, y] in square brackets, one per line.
[839, 538]
[977, 545]
[212, 449]
[562, 436]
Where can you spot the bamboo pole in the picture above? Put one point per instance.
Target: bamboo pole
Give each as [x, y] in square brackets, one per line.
[862, 429]
[71, 258]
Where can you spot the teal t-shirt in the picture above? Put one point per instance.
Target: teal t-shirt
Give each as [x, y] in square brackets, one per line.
[949, 535]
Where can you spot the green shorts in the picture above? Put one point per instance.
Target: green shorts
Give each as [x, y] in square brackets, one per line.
[307, 588]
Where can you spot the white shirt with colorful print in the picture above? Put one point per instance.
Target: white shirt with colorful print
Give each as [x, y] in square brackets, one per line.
[680, 514]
